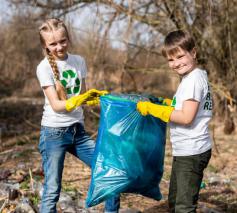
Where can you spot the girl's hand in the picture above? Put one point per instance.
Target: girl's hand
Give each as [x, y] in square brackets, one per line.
[90, 96]
[93, 102]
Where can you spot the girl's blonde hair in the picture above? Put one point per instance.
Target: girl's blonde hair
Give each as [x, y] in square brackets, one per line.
[176, 40]
[51, 25]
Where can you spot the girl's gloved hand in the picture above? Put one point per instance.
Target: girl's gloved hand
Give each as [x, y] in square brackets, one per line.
[76, 101]
[159, 111]
[93, 102]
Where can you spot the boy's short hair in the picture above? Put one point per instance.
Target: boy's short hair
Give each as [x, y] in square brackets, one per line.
[176, 40]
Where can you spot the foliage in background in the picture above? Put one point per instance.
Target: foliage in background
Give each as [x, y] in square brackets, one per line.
[140, 27]
[19, 53]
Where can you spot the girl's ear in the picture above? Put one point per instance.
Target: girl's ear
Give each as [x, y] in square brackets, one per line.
[47, 50]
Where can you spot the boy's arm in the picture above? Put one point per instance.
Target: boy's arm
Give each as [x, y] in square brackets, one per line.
[187, 114]
[168, 113]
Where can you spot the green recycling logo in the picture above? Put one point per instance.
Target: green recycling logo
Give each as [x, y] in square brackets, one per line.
[71, 82]
[173, 103]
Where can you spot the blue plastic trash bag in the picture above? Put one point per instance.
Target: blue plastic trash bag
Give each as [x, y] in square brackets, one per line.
[129, 153]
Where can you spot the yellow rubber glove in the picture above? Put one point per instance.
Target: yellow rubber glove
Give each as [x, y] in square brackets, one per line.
[76, 101]
[158, 111]
[96, 93]
[93, 102]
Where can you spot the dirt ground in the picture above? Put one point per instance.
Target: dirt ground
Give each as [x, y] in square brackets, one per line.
[219, 194]
[220, 178]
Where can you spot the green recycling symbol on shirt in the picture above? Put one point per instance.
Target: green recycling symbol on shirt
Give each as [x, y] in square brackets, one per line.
[71, 82]
[173, 103]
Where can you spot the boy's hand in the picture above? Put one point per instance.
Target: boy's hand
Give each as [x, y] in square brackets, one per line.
[159, 111]
[160, 100]
[142, 107]
[90, 95]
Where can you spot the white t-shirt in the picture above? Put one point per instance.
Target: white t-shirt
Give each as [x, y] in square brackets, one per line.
[72, 71]
[193, 139]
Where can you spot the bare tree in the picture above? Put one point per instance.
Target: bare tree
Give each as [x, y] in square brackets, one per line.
[146, 22]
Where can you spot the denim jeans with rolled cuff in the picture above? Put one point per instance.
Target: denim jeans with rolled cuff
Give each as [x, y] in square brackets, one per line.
[53, 145]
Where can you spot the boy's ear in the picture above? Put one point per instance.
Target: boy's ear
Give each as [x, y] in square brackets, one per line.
[194, 52]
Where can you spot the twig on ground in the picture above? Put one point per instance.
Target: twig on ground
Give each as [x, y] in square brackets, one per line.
[3, 205]
[7, 151]
[31, 180]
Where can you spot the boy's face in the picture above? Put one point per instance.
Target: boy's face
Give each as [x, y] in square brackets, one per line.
[183, 61]
[57, 43]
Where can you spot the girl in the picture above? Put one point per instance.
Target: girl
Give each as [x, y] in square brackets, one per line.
[189, 116]
[62, 78]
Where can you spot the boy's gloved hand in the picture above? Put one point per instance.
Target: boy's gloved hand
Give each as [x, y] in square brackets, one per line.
[159, 111]
[76, 101]
[167, 101]
[160, 100]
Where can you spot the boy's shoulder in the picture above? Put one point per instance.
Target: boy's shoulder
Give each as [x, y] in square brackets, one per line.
[198, 73]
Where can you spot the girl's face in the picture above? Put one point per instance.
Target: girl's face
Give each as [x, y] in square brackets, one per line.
[57, 43]
[183, 61]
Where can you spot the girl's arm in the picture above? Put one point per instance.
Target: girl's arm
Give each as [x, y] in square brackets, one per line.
[56, 104]
[187, 114]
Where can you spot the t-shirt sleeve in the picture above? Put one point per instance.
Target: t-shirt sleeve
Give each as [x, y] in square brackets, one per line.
[193, 90]
[44, 75]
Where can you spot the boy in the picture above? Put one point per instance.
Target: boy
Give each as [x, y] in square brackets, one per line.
[189, 115]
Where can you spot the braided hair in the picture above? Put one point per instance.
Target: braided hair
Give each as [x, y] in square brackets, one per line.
[51, 25]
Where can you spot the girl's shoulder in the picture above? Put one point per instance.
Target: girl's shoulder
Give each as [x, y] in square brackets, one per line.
[43, 68]
[43, 64]
[76, 58]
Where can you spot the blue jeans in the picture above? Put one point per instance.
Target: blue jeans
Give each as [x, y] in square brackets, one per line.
[53, 145]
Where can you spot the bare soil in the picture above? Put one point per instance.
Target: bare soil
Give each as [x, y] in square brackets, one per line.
[220, 192]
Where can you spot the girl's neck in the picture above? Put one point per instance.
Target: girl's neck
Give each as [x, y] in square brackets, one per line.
[62, 59]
